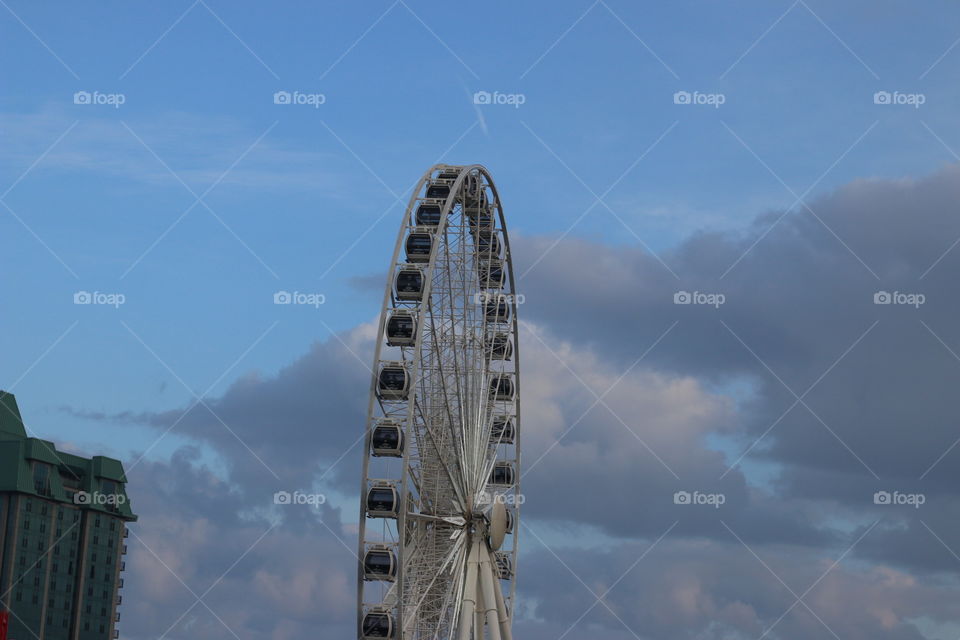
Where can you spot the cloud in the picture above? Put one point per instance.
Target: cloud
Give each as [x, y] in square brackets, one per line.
[198, 149]
[798, 373]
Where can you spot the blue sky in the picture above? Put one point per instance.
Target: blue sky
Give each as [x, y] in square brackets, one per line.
[198, 81]
[199, 197]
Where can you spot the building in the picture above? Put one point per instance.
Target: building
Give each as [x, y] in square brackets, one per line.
[62, 537]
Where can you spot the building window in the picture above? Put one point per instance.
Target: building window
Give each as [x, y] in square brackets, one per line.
[29, 506]
[41, 478]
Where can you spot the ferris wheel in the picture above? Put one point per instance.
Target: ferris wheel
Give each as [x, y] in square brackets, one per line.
[440, 494]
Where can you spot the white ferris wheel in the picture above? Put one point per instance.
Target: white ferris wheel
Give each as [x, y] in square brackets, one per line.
[439, 503]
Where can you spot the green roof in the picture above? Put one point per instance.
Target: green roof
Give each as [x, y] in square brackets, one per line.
[11, 424]
[73, 473]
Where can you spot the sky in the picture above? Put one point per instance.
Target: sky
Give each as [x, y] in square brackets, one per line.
[790, 168]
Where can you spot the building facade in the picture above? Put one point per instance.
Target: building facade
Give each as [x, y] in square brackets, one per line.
[62, 537]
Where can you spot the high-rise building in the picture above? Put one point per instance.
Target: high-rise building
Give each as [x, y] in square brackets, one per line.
[62, 537]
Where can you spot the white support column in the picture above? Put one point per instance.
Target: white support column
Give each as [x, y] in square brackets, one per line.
[478, 616]
[489, 597]
[505, 631]
[469, 607]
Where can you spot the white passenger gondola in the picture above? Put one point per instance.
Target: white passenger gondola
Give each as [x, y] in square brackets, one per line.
[503, 474]
[437, 191]
[501, 387]
[409, 283]
[488, 246]
[383, 500]
[387, 439]
[502, 431]
[428, 215]
[378, 622]
[401, 328]
[504, 565]
[497, 309]
[499, 346]
[419, 245]
[475, 196]
[491, 274]
[380, 563]
[481, 222]
[393, 382]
